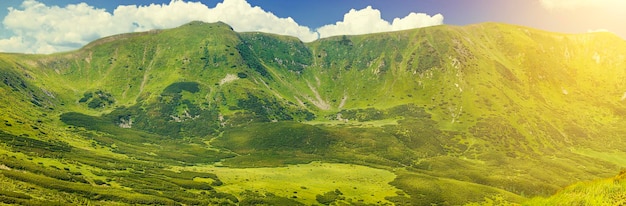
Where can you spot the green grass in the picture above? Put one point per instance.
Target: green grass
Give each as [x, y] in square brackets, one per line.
[358, 184]
[615, 157]
[487, 113]
[610, 191]
[425, 190]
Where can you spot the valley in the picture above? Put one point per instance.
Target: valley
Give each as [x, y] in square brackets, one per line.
[202, 115]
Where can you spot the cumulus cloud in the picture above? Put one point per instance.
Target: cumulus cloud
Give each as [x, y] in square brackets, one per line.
[39, 28]
[575, 4]
[368, 20]
[42, 29]
[143, 18]
[242, 17]
[12, 44]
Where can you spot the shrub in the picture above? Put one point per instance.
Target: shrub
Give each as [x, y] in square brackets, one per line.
[329, 197]
[179, 87]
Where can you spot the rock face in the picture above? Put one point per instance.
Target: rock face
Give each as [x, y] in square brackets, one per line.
[520, 111]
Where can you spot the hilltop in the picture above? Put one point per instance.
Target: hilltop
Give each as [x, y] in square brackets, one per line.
[196, 114]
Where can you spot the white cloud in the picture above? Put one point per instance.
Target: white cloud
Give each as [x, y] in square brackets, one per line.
[416, 20]
[39, 28]
[143, 18]
[12, 44]
[242, 17]
[575, 4]
[42, 29]
[368, 20]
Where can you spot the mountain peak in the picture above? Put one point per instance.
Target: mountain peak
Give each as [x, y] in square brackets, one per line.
[207, 24]
[185, 31]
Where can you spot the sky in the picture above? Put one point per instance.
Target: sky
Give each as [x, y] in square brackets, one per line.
[48, 26]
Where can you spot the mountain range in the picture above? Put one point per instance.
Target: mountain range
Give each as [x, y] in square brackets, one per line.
[202, 115]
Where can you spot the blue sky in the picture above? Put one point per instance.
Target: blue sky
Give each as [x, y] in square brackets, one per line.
[45, 26]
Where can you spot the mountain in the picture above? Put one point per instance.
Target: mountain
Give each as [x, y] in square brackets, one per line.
[201, 114]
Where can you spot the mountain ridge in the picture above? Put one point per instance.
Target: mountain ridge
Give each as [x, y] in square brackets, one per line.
[495, 100]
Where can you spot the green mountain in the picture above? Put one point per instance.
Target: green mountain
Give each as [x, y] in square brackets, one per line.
[200, 114]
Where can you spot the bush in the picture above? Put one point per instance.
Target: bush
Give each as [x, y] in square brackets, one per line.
[86, 97]
[242, 75]
[98, 99]
[190, 184]
[38, 147]
[179, 87]
[329, 197]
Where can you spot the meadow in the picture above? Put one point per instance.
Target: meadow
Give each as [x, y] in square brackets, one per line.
[486, 114]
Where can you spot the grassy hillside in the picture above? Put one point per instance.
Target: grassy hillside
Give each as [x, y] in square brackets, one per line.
[609, 191]
[200, 114]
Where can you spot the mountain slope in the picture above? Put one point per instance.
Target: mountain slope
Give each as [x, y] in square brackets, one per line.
[609, 191]
[453, 114]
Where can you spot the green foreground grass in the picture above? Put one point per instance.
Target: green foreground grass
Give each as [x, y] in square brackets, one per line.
[304, 182]
[610, 191]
